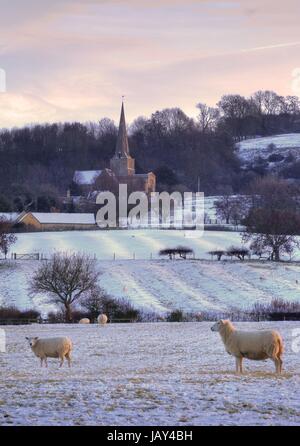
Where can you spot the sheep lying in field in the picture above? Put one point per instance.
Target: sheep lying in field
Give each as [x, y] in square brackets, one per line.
[85, 320]
[256, 345]
[51, 348]
[102, 319]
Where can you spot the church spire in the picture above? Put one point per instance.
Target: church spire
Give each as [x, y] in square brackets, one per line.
[122, 148]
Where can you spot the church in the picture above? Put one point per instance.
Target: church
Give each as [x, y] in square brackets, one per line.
[120, 171]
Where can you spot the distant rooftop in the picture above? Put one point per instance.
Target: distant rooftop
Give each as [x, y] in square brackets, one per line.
[63, 218]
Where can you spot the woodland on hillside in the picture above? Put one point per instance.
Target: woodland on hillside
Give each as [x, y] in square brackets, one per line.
[37, 162]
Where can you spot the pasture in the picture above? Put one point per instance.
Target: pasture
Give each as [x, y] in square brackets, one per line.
[146, 374]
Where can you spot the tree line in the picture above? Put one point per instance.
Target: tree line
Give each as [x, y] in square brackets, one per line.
[37, 162]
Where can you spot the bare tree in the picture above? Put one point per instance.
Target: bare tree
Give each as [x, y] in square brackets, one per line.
[208, 117]
[219, 253]
[231, 208]
[6, 237]
[94, 302]
[238, 252]
[65, 278]
[181, 251]
[273, 220]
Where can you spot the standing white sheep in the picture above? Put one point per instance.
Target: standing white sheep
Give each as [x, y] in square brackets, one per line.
[256, 345]
[102, 319]
[51, 348]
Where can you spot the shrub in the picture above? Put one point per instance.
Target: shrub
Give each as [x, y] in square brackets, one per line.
[275, 158]
[181, 251]
[14, 313]
[176, 316]
[240, 253]
[218, 253]
[94, 302]
[56, 317]
[120, 309]
[277, 306]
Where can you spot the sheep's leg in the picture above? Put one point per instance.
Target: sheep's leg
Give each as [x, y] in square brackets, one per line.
[68, 356]
[46, 362]
[278, 364]
[61, 361]
[41, 359]
[241, 365]
[238, 365]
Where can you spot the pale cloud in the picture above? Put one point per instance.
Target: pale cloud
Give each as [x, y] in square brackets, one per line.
[73, 59]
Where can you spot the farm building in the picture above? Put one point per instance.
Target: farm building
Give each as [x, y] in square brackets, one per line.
[56, 221]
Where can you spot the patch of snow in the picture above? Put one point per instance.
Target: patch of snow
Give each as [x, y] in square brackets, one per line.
[86, 177]
[9, 216]
[285, 144]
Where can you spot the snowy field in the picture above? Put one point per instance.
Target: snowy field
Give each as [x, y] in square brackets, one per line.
[156, 285]
[125, 244]
[285, 144]
[163, 285]
[146, 374]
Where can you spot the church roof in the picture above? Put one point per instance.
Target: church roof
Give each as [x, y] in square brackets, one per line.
[122, 148]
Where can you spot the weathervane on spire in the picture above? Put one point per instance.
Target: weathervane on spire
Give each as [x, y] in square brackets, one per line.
[123, 97]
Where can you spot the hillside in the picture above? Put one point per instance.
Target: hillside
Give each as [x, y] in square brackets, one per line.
[126, 244]
[156, 285]
[287, 145]
[163, 285]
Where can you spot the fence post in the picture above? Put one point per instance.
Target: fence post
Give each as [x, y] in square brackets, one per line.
[114, 256]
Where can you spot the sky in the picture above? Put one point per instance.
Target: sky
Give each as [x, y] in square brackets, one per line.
[67, 60]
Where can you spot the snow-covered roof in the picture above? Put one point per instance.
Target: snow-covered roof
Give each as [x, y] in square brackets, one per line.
[86, 177]
[63, 218]
[9, 216]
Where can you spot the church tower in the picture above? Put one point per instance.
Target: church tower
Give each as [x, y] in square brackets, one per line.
[122, 164]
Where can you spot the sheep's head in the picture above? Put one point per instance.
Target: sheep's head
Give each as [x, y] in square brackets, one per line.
[32, 341]
[221, 324]
[218, 325]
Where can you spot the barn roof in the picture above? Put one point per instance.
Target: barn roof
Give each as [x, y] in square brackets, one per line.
[62, 218]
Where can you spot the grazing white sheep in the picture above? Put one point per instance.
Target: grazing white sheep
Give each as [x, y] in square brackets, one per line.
[85, 320]
[45, 348]
[102, 319]
[256, 345]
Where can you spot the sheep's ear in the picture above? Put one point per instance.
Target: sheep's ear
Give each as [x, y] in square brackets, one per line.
[36, 338]
[222, 322]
